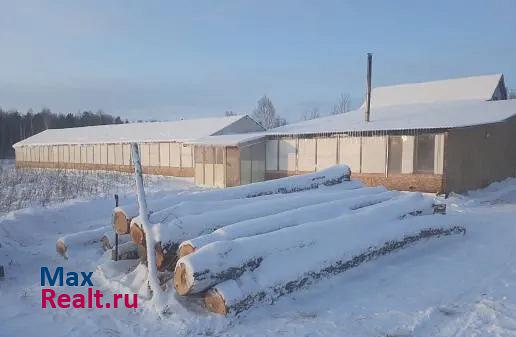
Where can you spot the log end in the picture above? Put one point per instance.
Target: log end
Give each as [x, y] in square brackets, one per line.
[137, 235]
[181, 283]
[105, 243]
[121, 222]
[185, 249]
[215, 303]
[61, 248]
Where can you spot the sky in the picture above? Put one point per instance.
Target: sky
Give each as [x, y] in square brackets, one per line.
[166, 60]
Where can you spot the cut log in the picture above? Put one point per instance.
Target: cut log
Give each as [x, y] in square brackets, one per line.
[126, 251]
[171, 234]
[137, 234]
[223, 260]
[342, 203]
[65, 243]
[279, 278]
[191, 208]
[122, 219]
[328, 177]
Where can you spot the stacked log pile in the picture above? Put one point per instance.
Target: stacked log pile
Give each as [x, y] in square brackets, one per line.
[252, 244]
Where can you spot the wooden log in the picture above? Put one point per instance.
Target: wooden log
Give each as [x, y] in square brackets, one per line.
[137, 234]
[107, 241]
[189, 201]
[66, 242]
[223, 260]
[343, 203]
[234, 297]
[126, 251]
[122, 220]
[171, 234]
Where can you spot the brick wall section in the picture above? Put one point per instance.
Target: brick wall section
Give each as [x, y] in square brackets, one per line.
[431, 183]
[164, 171]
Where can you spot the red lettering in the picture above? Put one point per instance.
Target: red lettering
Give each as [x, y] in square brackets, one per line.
[128, 304]
[78, 301]
[98, 295]
[63, 301]
[116, 298]
[47, 295]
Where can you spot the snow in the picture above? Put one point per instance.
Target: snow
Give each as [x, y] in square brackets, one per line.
[230, 140]
[481, 88]
[457, 286]
[338, 204]
[178, 131]
[440, 115]
[306, 243]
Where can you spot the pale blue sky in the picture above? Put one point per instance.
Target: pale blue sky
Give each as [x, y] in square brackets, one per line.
[165, 59]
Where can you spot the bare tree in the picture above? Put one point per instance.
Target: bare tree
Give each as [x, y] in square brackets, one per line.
[342, 105]
[311, 114]
[511, 93]
[229, 113]
[265, 113]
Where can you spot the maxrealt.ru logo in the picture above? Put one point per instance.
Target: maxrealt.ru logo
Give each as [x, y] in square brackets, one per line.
[92, 298]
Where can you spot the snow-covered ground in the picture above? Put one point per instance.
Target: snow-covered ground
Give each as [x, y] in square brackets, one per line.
[456, 286]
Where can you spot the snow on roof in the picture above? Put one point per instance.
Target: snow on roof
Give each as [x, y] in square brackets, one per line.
[442, 115]
[466, 88]
[229, 140]
[179, 131]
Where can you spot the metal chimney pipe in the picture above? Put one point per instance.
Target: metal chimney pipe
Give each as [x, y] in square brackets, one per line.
[368, 93]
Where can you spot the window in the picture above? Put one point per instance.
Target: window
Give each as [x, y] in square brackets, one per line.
[395, 151]
[424, 154]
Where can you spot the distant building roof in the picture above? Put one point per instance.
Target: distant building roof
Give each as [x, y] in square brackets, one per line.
[481, 88]
[229, 140]
[442, 115]
[179, 131]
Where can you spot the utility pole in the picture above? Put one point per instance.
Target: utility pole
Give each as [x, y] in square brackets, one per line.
[368, 93]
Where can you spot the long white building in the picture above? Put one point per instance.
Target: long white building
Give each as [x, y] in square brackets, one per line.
[107, 147]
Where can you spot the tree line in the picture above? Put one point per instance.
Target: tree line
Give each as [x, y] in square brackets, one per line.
[15, 126]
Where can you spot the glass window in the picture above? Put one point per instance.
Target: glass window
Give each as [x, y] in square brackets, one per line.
[424, 149]
[395, 151]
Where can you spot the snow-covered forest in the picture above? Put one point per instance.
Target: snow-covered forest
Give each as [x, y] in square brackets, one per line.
[16, 126]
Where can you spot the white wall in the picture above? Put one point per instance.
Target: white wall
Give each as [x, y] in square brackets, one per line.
[271, 156]
[349, 152]
[103, 154]
[175, 155]
[186, 156]
[306, 155]
[374, 154]
[154, 154]
[164, 154]
[407, 155]
[439, 154]
[144, 154]
[287, 154]
[326, 152]
[111, 154]
[126, 149]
